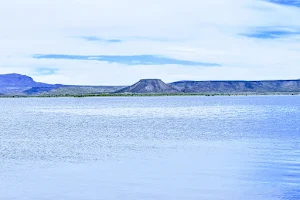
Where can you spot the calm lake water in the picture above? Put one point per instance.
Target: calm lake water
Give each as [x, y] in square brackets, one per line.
[153, 148]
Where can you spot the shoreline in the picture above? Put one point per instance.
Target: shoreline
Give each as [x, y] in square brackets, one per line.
[154, 95]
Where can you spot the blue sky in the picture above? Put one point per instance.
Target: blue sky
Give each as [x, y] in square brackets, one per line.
[286, 2]
[272, 32]
[116, 43]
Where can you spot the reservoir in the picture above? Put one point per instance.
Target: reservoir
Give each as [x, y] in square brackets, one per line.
[153, 148]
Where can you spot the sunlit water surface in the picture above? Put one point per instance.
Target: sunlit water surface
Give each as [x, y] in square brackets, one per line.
[160, 148]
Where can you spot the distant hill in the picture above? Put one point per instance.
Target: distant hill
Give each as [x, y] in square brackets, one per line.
[237, 86]
[40, 90]
[18, 80]
[17, 84]
[149, 86]
[82, 90]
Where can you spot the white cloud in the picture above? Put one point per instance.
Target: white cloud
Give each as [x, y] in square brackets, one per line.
[196, 30]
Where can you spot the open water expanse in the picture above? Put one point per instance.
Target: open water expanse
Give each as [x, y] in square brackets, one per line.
[152, 148]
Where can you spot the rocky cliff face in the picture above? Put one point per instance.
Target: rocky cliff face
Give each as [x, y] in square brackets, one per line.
[149, 86]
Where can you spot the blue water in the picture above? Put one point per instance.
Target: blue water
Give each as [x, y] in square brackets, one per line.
[160, 148]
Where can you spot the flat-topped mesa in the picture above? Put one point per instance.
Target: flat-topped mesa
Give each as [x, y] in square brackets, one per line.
[17, 84]
[237, 86]
[11, 80]
[150, 79]
[18, 80]
[149, 86]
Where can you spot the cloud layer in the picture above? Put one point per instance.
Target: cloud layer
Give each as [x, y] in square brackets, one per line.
[128, 60]
[273, 32]
[117, 42]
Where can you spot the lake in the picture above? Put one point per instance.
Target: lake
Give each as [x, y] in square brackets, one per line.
[160, 148]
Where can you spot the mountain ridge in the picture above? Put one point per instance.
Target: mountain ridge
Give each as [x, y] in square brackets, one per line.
[17, 84]
[237, 86]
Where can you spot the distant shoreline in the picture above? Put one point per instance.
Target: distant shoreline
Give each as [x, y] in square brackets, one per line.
[154, 95]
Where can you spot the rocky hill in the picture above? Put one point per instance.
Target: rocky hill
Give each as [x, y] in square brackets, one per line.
[18, 80]
[17, 84]
[149, 86]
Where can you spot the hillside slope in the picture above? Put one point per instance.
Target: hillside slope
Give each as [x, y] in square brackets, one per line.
[82, 90]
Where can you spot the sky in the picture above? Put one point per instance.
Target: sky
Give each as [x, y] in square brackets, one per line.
[117, 42]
